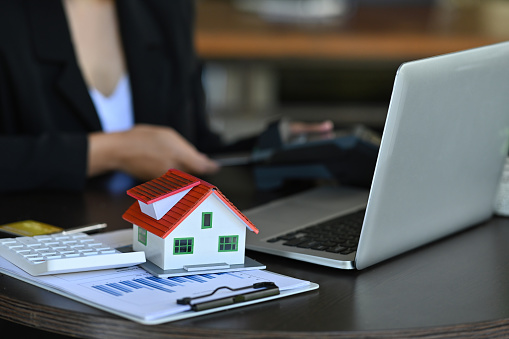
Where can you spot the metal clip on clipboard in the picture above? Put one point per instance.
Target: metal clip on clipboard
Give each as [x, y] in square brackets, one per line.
[264, 289]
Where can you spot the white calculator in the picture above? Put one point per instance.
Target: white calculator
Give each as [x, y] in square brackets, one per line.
[64, 253]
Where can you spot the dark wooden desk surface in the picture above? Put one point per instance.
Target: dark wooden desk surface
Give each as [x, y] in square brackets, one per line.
[458, 286]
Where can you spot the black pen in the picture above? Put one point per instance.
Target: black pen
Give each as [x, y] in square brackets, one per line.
[263, 290]
[212, 304]
[234, 299]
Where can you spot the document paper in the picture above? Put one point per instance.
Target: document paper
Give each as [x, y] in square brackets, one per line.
[135, 294]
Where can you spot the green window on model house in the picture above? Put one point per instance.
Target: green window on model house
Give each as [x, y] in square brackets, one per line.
[206, 220]
[229, 243]
[183, 245]
[142, 236]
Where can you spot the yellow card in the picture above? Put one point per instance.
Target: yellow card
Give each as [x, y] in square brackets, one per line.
[29, 228]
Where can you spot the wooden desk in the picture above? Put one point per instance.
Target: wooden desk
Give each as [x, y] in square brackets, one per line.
[372, 33]
[455, 287]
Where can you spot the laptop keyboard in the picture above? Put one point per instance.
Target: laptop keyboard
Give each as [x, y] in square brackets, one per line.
[338, 235]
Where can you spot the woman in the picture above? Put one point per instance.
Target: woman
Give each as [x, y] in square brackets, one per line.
[91, 86]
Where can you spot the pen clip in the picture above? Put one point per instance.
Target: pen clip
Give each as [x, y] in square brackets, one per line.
[263, 289]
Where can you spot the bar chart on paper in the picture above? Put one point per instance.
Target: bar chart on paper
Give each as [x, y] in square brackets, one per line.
[168, 285]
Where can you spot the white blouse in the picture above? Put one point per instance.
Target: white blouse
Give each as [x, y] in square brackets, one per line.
[115, 111]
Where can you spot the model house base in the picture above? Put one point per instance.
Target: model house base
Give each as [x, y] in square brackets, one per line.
[249, 264]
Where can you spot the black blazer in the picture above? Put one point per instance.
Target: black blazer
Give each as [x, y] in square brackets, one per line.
[45, 108]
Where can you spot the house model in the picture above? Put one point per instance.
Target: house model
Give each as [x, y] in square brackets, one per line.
[184, 224]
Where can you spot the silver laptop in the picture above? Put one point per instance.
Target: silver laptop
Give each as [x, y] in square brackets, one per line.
[441, 156]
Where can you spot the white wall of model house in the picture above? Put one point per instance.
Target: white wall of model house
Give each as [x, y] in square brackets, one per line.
[206, 240]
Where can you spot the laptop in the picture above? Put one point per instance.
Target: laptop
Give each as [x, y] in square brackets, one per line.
[440, 160]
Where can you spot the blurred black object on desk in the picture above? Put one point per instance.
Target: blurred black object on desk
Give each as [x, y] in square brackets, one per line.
[346, 156]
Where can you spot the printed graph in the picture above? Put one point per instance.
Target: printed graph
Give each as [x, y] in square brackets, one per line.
[168, 285]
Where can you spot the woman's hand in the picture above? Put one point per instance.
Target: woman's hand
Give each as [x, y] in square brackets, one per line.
[297, 127]
[146, 152]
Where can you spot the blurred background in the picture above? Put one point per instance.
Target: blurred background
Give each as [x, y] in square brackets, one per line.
[326, 59]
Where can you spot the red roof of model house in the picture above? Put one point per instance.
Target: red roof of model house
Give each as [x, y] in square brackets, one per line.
[172, 183]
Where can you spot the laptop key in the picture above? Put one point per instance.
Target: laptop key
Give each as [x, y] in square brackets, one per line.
[289, 236]
[295, 242]
[347, 251]
[336, 249]
[308, 244]
[319, 247]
